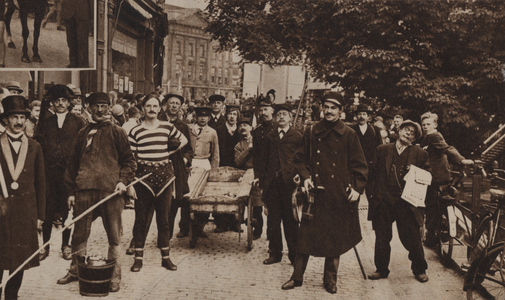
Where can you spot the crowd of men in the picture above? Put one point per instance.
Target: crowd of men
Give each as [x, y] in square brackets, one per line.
[78, 157]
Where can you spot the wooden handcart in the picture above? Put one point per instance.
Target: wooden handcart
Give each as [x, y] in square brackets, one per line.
[223, 190]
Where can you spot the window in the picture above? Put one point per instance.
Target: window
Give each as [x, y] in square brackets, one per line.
[190, 69]
[213, 75]
[201, 72]
[226, 76]
[226, 56]
[191, 50]
[202, 51]
[220, 76]
[215, 55]
[178, 47]
[178, 70]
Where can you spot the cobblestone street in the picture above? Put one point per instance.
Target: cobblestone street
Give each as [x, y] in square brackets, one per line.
[53, 47]
[220, 267]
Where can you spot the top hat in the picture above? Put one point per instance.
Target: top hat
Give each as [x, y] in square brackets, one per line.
[14, 85]
[416, 126]
[333, 97]
[203, 111]
[364, 108]
[216, 98]
[59, 91]
[15, 104]
[173, 94]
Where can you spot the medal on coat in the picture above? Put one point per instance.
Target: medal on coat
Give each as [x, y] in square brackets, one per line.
[15, 172]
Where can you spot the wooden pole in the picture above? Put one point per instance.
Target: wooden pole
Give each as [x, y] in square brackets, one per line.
[4, 282]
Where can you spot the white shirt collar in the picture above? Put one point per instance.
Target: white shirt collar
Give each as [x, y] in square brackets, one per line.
[363, 128]
[61, 118]
[283, 129]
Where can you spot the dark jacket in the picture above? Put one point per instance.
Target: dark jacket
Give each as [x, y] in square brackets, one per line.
[180, 168]
[105, 162]
[227, 144]
[440, 155]
[20, 211]
[213, 124]
[278, 155]
[369, 141]
[259, 141]
[381, 168]
[334, 159]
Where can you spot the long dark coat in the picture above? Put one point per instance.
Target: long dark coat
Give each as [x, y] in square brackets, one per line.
[336, 161]
[20, 211]
[227, 144]
[381, 168]
[278, 154]
[369, 141]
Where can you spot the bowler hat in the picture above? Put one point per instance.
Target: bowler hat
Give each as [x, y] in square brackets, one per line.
[173, 94]
[15, 104]
[416, 126]
[216, 98]
[59, 91]
[244, 120]
[14, 85]
[333, 97]
[202, 111]
[364, 108]
[283, 106]
[98, 97]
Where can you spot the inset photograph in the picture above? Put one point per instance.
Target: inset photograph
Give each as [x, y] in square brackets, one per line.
[47, 34]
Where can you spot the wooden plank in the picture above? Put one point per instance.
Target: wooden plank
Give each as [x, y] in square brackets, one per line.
[246, 183]
[195, 181]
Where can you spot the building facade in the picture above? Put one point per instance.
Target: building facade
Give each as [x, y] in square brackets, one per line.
[194, 65]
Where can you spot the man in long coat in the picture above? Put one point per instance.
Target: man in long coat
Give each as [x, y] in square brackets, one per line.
[330, 157]
[22, 196]
[57, 136]
[386, 206]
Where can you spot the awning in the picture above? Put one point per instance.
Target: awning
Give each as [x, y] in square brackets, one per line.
[139, 8]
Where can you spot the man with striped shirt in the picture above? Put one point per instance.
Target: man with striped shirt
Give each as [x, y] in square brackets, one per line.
[152, 143]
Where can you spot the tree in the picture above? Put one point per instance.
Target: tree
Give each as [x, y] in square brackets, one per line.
[441, 56]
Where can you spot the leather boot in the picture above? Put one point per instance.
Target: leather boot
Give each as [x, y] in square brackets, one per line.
[139, 256]
[165, 260]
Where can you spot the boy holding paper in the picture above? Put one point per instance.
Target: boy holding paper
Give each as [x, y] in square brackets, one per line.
[391, 164]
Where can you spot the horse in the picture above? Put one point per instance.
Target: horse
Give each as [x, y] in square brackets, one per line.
[38, 8]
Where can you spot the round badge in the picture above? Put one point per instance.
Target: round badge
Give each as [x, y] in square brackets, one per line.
[15, 185]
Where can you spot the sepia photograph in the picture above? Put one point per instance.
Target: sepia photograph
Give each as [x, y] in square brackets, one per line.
[252, 149]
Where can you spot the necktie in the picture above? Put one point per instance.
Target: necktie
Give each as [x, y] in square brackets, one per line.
[281, 134]
[200, 130]
[15, 139]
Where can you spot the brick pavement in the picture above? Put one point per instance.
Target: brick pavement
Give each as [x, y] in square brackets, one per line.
[220, 267]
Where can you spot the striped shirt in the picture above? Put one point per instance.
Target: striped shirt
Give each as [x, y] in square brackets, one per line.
[151, 145]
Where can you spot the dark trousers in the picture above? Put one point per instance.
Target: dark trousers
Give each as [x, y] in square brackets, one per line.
[110, 211]
[56, 204]
[185, 218]
[77, 41]
[432, 212]
[13, 285]
[258, 224]
[143, 215]
[408, 231]
[301, 260]
[278, 202]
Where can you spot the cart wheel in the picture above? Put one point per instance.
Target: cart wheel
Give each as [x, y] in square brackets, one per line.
[192, 235]
[249, 225]
[446, 242]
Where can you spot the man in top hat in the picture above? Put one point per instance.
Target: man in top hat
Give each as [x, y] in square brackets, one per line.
[216, 104]
[205, 151]
[57, 135]
[369, 135]
[101, 163]
[22, 194]
[266, 125]
[277, 159]
[14, 88]
[391, 164]
[331, 160]
[228, 136]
